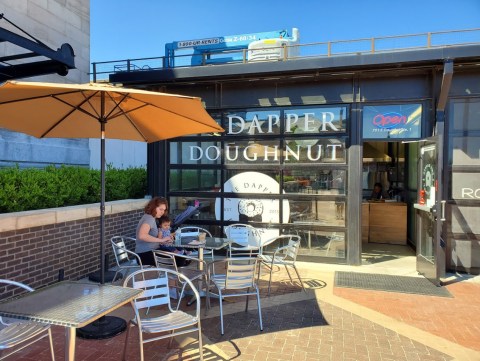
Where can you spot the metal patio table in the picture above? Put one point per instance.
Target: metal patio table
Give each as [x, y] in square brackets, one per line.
[68, 304]
[212, 243]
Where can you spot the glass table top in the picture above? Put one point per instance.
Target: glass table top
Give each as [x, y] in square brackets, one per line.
[215, 243]
[68, 303]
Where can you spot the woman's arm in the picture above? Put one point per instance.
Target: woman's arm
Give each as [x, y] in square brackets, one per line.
[143, 235]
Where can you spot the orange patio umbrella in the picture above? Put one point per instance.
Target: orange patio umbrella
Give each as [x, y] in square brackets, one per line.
[52, 110]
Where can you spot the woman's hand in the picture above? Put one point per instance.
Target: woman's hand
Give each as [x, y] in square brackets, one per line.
[166, 239]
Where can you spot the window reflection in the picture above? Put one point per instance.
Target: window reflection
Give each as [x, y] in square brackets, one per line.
[253, 152]
[315, 211]
[253, 122]
[205, 206]
[318, 243]
[315, 120]
[190, 180]
[195, 152]
[315, 150]
[325, 182]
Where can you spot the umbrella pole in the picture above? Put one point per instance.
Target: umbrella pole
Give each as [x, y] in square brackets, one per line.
[102, 203]
[105, 326]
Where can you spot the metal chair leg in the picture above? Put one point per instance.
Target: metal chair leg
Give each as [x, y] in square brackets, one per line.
[50, 338]
[299, 278]
[259, 310]
[221, 311]
[289, 275]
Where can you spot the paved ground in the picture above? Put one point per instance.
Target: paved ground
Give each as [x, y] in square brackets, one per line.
[326, 323]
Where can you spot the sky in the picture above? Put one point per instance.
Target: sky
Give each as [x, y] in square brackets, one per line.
[132, 29]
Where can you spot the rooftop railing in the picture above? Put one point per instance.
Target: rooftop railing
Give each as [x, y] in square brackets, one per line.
[102, 70]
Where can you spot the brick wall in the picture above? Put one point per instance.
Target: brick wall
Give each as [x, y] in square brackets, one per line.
[35, 255]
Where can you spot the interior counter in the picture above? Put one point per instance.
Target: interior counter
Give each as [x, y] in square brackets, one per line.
[384, 222]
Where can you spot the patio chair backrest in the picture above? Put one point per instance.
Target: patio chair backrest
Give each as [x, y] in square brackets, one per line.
[120, 250]
[164, 259]
[292, 248]
[156, 289]
[243, 234]
[5, 282]
[240, 272]
[15, 335]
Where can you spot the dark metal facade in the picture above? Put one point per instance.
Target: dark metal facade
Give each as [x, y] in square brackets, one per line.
[344, 81]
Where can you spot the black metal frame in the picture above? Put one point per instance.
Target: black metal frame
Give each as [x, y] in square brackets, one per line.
[44, 59]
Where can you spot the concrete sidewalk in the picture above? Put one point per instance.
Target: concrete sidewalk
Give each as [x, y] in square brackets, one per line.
[330, 323]
[325, 323]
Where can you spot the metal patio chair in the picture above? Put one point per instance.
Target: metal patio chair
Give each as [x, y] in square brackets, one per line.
[195, 231]
[246, 240]
[167, 318]
[238, 280]
[126, 260]
[282, 256]
[164, 259]
[17, 335]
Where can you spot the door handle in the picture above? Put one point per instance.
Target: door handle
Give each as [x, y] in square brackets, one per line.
[442, 215]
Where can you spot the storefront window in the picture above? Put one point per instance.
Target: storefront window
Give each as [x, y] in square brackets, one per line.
[253, 152]
[198, 152]
[205, 208]
[255, 122]
[465, 115]
[280, 170]
[252, 181]
[319, 150]
[464, 162]
[317, 181]
[191, 180]
[323, 120]
[316, 242]
[315, 211]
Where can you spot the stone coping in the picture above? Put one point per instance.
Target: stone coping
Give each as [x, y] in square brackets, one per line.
[21, 220]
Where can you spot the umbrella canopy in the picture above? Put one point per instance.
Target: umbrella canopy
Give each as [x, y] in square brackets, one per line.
[74, 110]
[100, 111]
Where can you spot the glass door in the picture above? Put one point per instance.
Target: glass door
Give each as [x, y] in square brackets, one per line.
[430, 210]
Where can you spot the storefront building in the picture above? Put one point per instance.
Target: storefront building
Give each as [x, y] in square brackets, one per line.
[306, 140]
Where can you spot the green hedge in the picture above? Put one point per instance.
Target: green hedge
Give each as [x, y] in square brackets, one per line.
[31, 188]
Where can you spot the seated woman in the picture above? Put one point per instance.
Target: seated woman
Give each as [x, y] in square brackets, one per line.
[148, 237]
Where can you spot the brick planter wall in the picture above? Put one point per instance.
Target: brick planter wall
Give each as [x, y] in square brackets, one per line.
[36, 245]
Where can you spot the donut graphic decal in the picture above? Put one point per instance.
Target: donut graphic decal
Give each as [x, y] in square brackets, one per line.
[251, 209]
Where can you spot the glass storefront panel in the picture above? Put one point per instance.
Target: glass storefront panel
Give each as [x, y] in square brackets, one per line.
[308, 181]
[284, 171]
[193, 180]
[465, 151]
[465, 114]
[316, 242]
[253, 152]
[206, 207]
[464, 188]
[316, 120]
[265, 122]
[198, 152]
[254, 181]
[316, 211]
[319, 150]
[250, 210]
